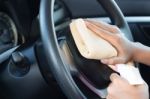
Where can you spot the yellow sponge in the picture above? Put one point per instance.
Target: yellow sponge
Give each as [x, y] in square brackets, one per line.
[89, 44]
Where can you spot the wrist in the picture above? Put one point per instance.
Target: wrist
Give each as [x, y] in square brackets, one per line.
[135, 50]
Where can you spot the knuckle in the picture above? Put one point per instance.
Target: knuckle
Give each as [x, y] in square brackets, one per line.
[115, 28]
[118, 38]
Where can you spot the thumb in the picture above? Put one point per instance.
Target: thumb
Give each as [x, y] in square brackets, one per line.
[113, 60]
[116, 79]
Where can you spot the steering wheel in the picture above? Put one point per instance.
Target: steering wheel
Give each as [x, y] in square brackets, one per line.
[57, 63]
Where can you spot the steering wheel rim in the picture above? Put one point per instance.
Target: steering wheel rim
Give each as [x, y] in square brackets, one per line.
[51, 47]
[116, 16]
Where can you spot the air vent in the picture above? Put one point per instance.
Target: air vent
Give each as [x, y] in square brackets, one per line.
[146, 30]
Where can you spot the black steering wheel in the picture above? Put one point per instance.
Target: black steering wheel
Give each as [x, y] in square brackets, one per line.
[57, 63]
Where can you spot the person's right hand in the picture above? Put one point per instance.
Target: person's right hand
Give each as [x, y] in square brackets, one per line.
[113, 35]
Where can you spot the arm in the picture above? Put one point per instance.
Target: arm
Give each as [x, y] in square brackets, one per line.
[141, 53]
[126, 49]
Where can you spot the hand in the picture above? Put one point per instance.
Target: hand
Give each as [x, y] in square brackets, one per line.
[113, 35]
[121, 89]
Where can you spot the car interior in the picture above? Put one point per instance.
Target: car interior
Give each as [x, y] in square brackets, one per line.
[38, 57]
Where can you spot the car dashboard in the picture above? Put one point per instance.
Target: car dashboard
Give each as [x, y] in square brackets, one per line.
[19, 26]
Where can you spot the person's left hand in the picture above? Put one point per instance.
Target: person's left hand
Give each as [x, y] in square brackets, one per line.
[121, 89]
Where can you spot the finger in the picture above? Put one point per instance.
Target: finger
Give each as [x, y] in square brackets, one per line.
[114, 77]
[113, 60]
[101, 24]
[106, 35]
[113, 67]
[102, 33]
[105, 26]
[118, 80]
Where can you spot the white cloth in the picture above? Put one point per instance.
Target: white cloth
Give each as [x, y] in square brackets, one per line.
[130, 73]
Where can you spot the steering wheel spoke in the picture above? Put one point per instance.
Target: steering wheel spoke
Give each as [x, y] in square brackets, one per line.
[68, 58]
